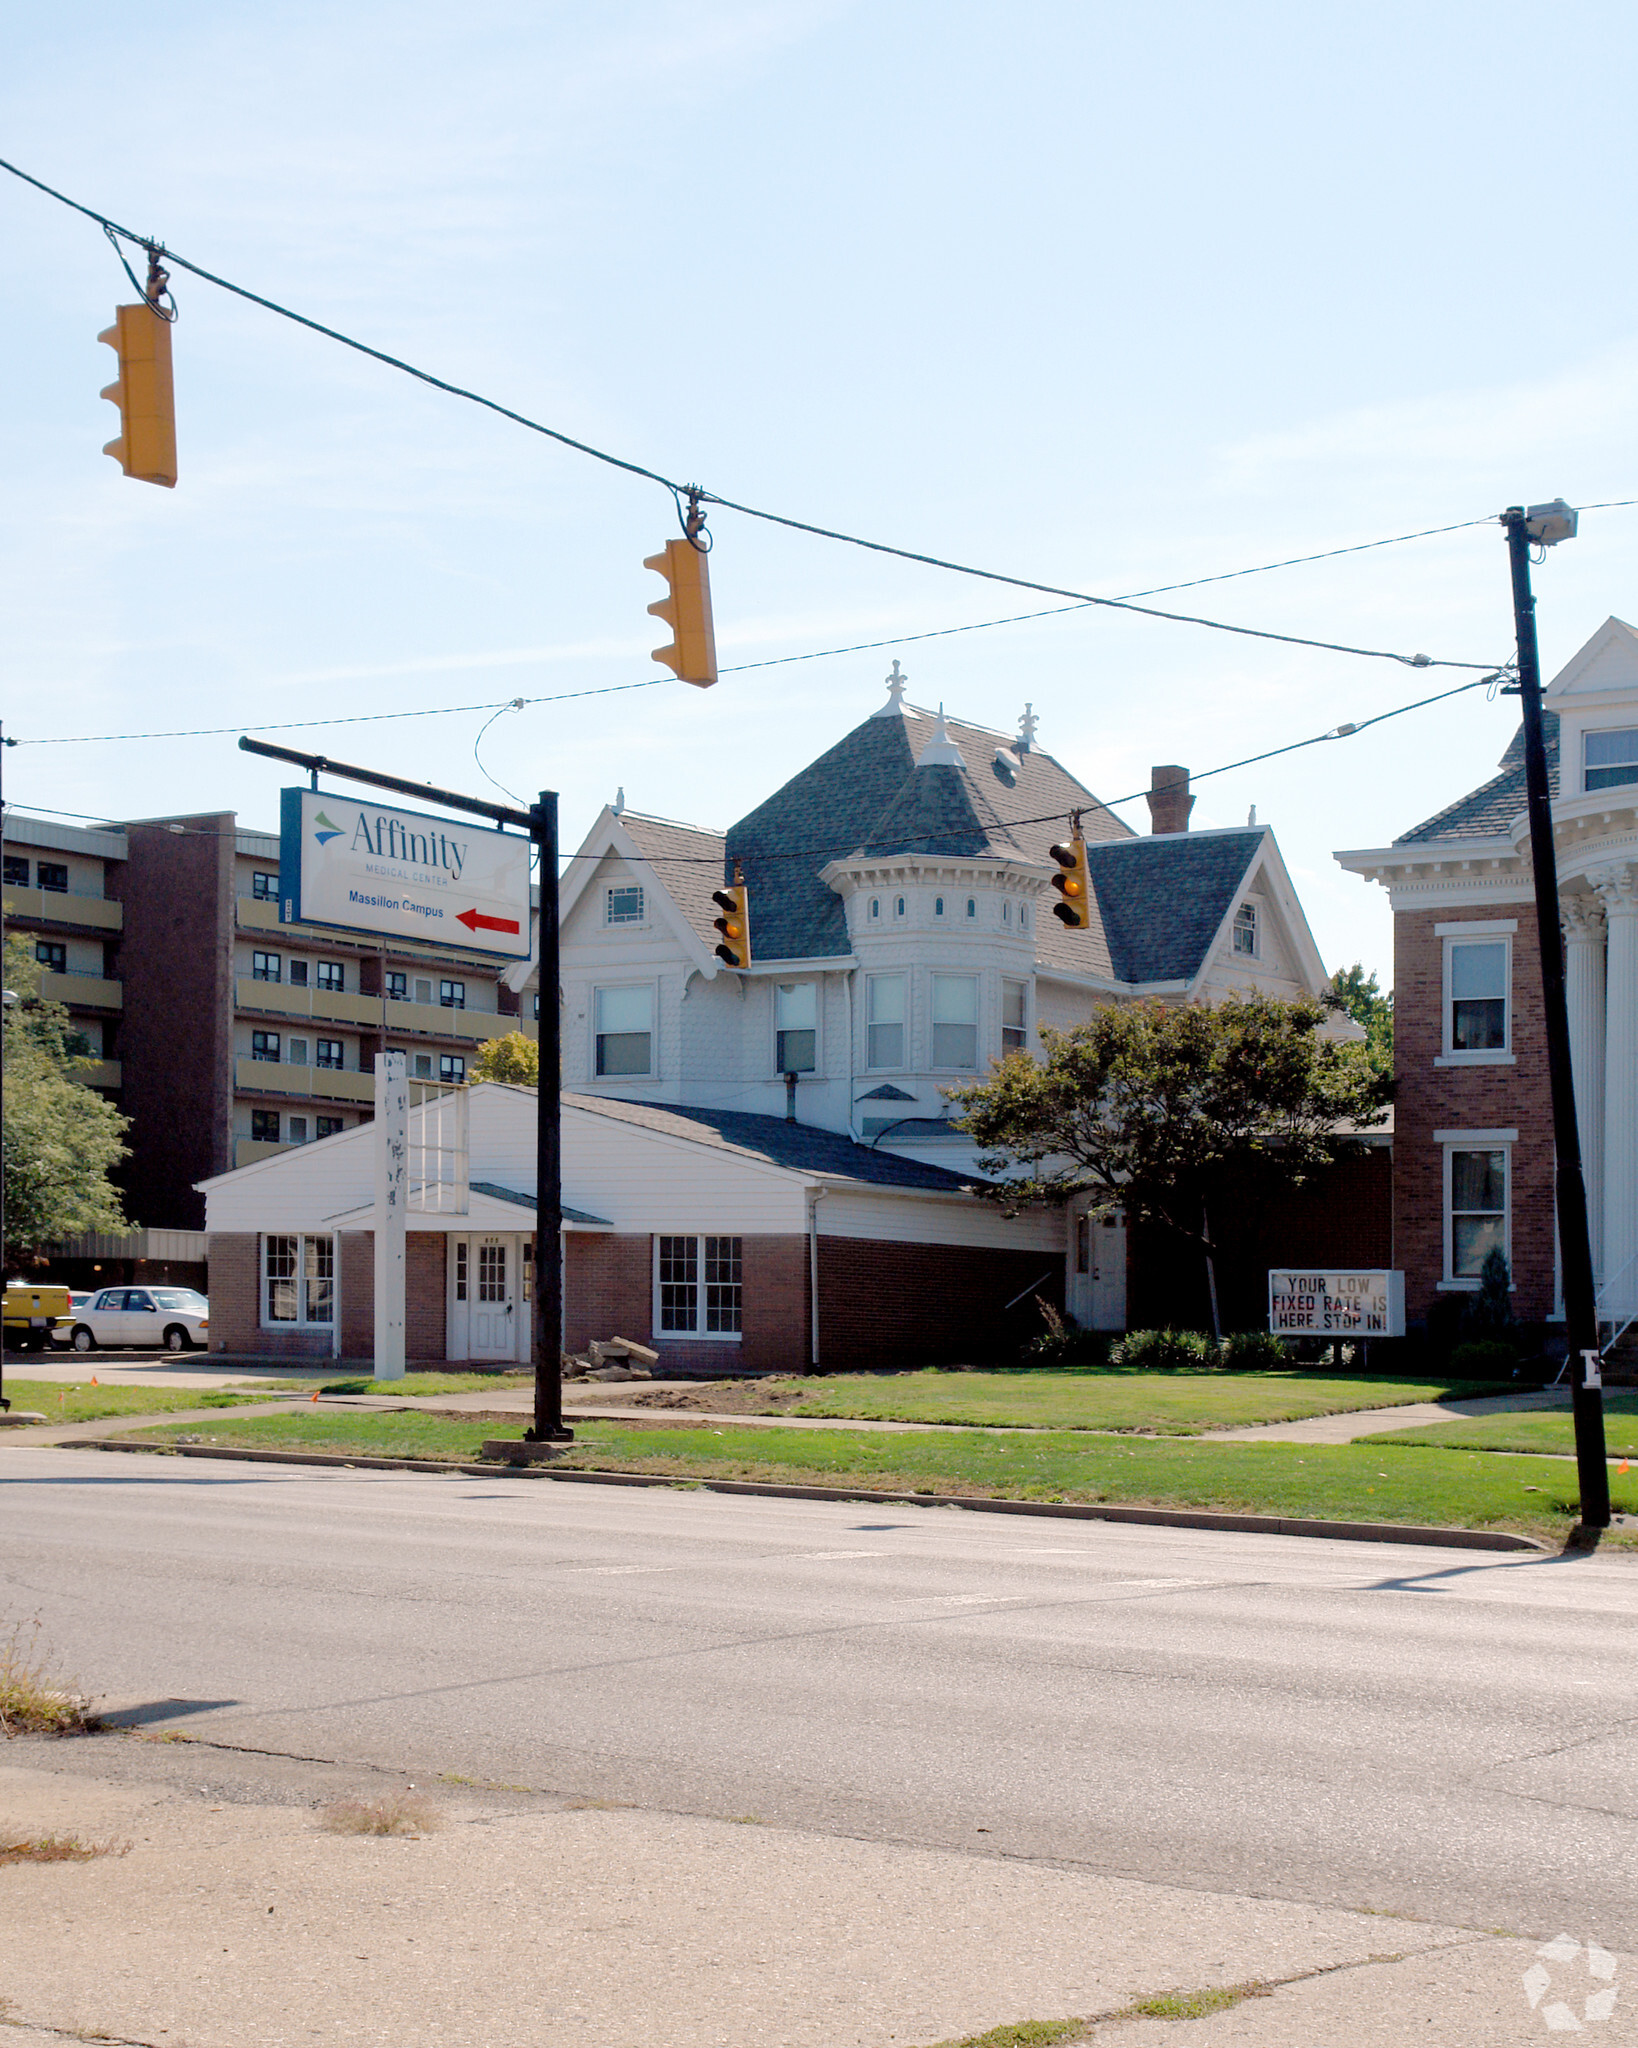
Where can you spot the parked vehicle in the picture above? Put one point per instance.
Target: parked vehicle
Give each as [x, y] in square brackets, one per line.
[64, 1332]
[31, 1314]
[173, 1317]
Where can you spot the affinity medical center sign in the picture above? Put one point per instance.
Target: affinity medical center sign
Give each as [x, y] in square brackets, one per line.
[402, 875]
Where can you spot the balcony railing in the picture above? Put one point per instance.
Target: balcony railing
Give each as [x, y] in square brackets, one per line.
[56, 906]
[330, 1006]
[313, 1084]
[83, 991]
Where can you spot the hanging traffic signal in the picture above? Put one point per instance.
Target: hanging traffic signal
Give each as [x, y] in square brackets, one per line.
[1072, 882]
[687, 611]
[735, 921]
[146, 449]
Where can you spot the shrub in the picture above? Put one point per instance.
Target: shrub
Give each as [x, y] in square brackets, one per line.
[1254, 1351]
[1163, 1350]
[1063, 1341]
[1485, 1358]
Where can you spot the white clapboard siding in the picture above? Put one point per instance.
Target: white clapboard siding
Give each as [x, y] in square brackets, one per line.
[644, 1180]
[937, 1219]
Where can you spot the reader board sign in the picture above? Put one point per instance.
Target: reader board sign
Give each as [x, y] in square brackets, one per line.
[361, 867]
[1306, 1303]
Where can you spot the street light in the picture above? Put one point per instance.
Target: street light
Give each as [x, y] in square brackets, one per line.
[1545, 526]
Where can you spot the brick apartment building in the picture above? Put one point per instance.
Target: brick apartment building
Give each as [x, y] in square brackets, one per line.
[225, 1036]
[1473, 1145]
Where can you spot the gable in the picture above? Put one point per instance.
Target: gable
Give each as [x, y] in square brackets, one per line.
[1607, 665]
[1163, 899]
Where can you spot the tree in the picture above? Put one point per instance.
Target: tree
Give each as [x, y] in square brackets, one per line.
[1168, 1112]
[1360, 996]
[514, 1059]
[62, 1141]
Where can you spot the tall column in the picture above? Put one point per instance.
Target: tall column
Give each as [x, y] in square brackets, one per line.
[1618, 886]
[1584, 993]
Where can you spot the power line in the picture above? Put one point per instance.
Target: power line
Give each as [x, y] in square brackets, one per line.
[679, 490]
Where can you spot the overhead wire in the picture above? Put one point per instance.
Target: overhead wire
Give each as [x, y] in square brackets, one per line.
[697, 493]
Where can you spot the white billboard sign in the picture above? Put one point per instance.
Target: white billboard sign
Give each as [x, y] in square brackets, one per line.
[361, 867]
[1309, 1304]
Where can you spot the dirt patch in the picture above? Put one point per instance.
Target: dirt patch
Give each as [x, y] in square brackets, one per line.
[723, 1397]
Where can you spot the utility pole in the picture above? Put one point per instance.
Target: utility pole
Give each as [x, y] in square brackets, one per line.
[1546, 525]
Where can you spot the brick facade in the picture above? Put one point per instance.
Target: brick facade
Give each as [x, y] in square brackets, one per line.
[889, 1304]
[1432, 1098]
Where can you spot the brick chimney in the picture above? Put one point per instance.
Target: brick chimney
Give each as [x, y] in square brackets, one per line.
[1168, 799]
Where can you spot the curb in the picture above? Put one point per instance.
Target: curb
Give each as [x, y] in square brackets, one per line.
[1073, 1511]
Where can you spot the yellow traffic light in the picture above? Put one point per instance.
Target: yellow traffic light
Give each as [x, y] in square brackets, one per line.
[1073, 883]
[735, 921]
[141, 338]
[687, 611]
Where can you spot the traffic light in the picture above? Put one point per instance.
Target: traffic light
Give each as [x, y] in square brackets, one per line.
[1072, 882]
[141, 338]
[735, 921]
[687, 611]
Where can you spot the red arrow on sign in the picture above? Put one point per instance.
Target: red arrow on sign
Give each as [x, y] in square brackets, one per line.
[475, 921]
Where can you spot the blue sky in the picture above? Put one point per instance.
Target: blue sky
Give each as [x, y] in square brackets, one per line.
[1103, 297]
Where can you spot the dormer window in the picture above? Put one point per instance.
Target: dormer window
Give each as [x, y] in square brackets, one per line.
[1612, 759]
[1245, 930]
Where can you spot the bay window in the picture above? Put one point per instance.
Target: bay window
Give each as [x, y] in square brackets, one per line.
[884, 1033]
[955, 1020]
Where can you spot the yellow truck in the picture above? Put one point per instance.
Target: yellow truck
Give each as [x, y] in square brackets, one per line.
[32, 1313]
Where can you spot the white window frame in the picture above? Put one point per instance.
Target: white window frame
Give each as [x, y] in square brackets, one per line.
[1247, 924]
[1588, 768]
[1023, 988]
[653, 1070]
[936, 1065]
[302, 1320]
[901, 1064]
[699, 1334]
[1474, 1141]
[1484, 931]
[818, 1024]
[613, 889]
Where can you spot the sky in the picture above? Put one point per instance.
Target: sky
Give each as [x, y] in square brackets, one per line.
[1099, 297]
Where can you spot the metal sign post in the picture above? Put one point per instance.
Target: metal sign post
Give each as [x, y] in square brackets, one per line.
[540, 822]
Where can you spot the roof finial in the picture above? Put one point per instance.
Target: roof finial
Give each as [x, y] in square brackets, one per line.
[897, 684]
[940, 751]
[1026, 729]
[619, 799]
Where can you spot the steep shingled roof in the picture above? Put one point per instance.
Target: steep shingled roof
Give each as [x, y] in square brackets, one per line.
[864, 796]
[1163, 899]
[1488, 810]
[801, 1148]
[687, 863]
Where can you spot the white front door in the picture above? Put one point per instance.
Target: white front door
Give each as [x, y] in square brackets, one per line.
[494, 1304]
[1108, 1272]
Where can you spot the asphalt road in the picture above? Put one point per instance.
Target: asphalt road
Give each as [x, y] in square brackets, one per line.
[1451, 1735]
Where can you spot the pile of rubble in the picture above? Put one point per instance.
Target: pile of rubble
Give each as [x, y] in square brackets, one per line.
[621, 1358]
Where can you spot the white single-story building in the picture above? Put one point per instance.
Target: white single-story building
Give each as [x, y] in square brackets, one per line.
[728, 1241]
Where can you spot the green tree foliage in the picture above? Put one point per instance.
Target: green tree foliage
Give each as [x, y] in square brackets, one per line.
[62, 1140]
[1168, 1111]
[1360, 996]
[514, 1058]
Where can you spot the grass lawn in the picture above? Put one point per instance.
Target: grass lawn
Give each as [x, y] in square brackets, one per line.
[79, 1401]
[1552, 1430]
[1351, 1482]
[1161, 1403]
[414, 1383]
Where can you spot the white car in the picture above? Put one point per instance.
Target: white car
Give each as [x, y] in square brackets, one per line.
[175, 1318]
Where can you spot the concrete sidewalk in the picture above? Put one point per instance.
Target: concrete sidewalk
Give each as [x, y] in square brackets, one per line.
[234, 1919]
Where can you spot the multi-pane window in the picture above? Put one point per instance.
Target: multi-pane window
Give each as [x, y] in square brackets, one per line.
[452, 995]
[491, 1272]
[451, 1069]
[1478, 995]
[53, 876]
[298, 973]
[264, 1126]
[264, 1045]
[266, 967]
[298, 1279]
[264, 887]
[460, 1269]
[625, 903]
[955, 1020]
[329, 1052]
[796, 1026]
[397, 987]
[1245, 929]
[1014, 1022]
[884, 1032]
[701, 1286]
[1612, 759]
[330, 1126]
[624, 1030]
[52, 955]
[16, 875]
[1478, 1209]
[331, 975]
